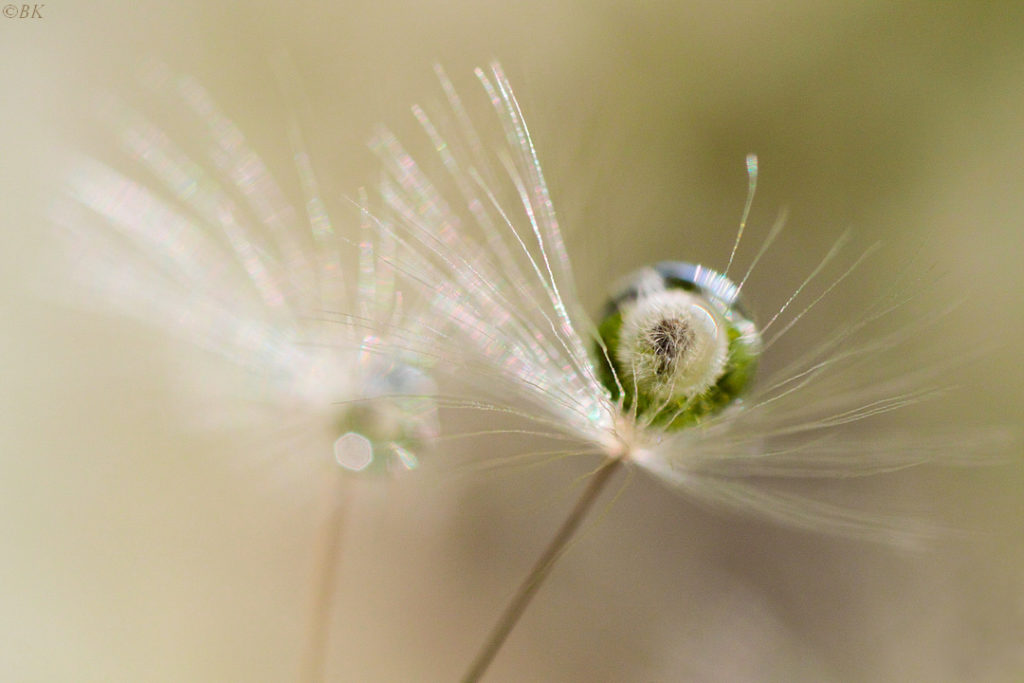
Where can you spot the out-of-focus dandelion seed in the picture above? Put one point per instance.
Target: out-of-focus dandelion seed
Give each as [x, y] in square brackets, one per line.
[210, 250]
[205, 246]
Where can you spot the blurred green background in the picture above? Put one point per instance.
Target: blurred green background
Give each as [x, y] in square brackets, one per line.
[134, 549]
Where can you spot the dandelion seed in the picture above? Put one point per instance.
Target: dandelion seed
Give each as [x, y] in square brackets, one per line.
[664, 382]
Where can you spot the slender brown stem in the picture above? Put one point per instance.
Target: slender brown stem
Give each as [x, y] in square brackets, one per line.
[327, 568]
[517, 605]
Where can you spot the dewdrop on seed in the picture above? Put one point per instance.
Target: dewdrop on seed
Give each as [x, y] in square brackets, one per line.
[678, 335]
[679, 344]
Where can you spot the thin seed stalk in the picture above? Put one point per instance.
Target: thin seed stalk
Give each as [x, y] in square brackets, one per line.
[545, 563]
[315, 661]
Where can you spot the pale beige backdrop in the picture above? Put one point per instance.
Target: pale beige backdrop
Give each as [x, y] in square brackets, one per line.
[134, 549]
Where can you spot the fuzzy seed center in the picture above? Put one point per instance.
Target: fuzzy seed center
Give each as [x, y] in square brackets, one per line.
[670, 339]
